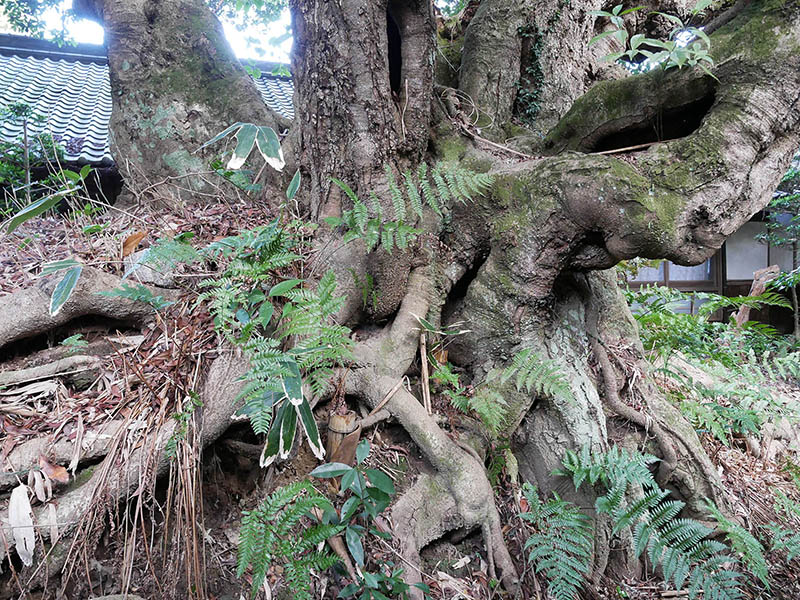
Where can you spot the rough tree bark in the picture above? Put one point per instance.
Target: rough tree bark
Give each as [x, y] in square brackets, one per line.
[518, 265]
[175, 83]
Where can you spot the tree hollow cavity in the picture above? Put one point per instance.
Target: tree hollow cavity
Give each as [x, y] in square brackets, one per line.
[667, 124]
[395, 53]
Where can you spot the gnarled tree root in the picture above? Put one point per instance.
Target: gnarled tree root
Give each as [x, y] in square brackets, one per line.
[27, 313]
[95, 444]
[149, 459]
[663, 422]
[459, 495]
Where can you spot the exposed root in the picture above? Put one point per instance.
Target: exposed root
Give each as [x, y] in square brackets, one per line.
[423, 514]
[64, 366]
[460, 494]
[95, 444]
[78, 511]
[669, 458]
[27, 312]
[695, 478]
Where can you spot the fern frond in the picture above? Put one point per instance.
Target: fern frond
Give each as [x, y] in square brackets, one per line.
[785, 540]
[276, 532]
[680, 546]
[398, 201]
[490, 406]
[441, 185]
[562, 545]
[537, 375]
[743, 543]
[427, 191]
[413, 193]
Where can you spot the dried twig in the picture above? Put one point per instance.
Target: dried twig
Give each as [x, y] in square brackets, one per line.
[426, 392]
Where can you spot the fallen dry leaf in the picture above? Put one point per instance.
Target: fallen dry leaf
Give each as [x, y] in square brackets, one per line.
[132, 242]
[38, 485]
[54, 472]
[53, 523]
[20, 519]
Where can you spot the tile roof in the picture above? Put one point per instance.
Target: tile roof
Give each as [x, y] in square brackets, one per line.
[70, 88]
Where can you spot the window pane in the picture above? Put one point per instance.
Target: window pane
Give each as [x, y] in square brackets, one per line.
[781, 256]
[650, 274]
[743, 254]
[698, 273]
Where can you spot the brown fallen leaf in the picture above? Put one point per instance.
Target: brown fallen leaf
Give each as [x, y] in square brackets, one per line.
[54, 472]
[132, 242]
[440, 354]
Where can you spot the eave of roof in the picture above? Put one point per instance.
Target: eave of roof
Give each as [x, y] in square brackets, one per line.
[69, 87]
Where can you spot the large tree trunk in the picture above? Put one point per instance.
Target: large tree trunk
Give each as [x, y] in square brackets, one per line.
[363, 74]
[175, 83]
[518, 266]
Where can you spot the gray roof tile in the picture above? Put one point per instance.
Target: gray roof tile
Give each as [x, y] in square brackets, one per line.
[69, 87]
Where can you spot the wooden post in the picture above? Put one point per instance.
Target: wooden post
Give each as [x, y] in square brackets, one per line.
[760, 280]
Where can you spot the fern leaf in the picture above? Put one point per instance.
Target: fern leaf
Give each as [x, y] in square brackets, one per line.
[743, 543]
[562, 545]
[413, 193]
[536, 374]
[398, 202]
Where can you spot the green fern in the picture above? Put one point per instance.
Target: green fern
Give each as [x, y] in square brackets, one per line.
[680, 546]
[785, 536]
[787, 507]
[536, 374]
[286, 329]
[743, 543]
[167, 253]
[436, 187]
[533, 373]
[715, 302]
[562, 544]
[785, 540]
[722, 420]
[784, 367]
[277, 533]
[489, 405]
[427, 191]
[398, 201]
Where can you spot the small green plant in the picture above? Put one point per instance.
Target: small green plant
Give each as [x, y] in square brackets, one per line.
[562, 543]
[75, 343]
[366, 502]
[529, 371]
[64, 288]
[536, 375]
[282, 531]
[381, 585]
[489, 405]
[138, 293]
[686, 46]
[784, 536]
[371, 492]
[742, 360]
[743, 543]
[369, 295]
[785, 540]
[681, 547]
[71, 184]
[247, 136]
[166, 254]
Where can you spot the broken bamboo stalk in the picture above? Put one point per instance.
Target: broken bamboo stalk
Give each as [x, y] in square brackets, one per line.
[426, 392]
